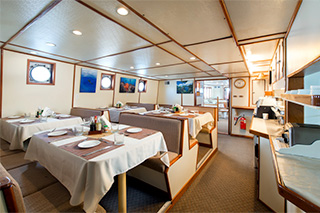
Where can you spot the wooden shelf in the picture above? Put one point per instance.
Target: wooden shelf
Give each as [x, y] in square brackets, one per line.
[312, 100]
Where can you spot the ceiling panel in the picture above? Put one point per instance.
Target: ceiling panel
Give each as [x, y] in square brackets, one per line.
[203, 66]
[260, 51]
[234, 75]
[177, 50]
[139, 59]
[231, 67]
[217, 52]
[185, 21]
[133, 21]
[260, 17]
[184, 76]
[15, 14]
[43, 54]
[183, 68]
[100, 36]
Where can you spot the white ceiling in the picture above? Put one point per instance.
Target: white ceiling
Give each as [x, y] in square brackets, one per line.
[155, 31]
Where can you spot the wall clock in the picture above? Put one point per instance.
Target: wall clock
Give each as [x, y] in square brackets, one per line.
[239, 83]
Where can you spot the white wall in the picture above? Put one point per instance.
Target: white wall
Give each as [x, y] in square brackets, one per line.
[303, 43]
[19, 98]
[244, 92]
[168, 93]
[150, 96]
[101, 98]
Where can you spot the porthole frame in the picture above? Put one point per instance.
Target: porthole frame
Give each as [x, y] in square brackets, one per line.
[111, 78]
[34, 63]
[145, 86]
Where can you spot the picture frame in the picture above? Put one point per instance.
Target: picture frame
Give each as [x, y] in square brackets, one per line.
[127, 85]
[88, 80]
[185, 87]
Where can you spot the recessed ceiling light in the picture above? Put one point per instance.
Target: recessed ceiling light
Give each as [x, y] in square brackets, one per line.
[33, 52]
[165, 76]
[157, 64]
[132, 67]
[50, 44]
[192, 58]
[77, 32]
[122, 11]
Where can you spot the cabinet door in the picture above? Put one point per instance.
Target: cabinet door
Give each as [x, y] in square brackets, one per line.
[268, 191]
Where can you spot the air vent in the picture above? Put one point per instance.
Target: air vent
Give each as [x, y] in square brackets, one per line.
[166, 82]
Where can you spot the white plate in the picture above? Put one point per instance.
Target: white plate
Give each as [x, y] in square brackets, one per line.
[26, 121]
[57, 133]
[134, 130]
[64, 116]
[14, 116]
[89, 144]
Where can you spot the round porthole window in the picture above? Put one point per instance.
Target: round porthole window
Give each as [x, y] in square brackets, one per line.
[141, 86]
[40, 74]
[106, 82]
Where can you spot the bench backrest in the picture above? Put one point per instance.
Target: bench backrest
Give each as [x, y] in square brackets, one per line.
[148, 107]
[86, 112]
[170, 128]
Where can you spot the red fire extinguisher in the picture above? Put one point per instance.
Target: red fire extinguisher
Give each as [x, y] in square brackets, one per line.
[243, 122]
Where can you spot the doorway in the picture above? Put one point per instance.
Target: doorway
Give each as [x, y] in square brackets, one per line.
[209, 93]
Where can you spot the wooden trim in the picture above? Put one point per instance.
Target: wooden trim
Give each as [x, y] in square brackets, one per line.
[112, 81]
[6, 186]
[73, 85]
[263, 36]
[208, 41]
[114, 91]
[32, 21]
[157, 100]
[181, 97]
[226, 14]
[274, 53]
[287, 193]
[243, 107]
[296, 10]
[1, 82]
[53, 72]
[256, 42]
[298, 71]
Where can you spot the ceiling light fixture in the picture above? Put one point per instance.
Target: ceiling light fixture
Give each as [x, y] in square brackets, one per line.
[261, 76]
[33, 52]
[157, 64]
[77, 32]
[192, 58]
[122, 11]
[132, 67]
[50, 44]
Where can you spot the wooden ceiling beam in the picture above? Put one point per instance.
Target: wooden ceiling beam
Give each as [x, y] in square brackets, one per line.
[32, 21]
[161, 31]
[263, 36]
[227, 16]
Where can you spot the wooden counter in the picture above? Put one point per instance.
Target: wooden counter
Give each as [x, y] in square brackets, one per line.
[264, 128]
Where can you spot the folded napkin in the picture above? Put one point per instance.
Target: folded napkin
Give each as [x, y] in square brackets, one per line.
[311, 151]
[47, 111]
[105, 120]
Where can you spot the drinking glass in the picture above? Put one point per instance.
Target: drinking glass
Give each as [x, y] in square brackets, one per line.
[118, 138]
[78, 130]
[114, 128]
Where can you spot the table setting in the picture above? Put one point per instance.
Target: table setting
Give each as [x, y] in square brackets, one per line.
[87, 165]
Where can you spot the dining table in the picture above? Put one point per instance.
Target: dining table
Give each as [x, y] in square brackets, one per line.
[196, 119]
[17, 129]
[87, 165]
[115, 112]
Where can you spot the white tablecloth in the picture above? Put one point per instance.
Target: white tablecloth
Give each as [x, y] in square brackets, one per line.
[17, 134]
[115, 112]
[196, 123]
[89, 180]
